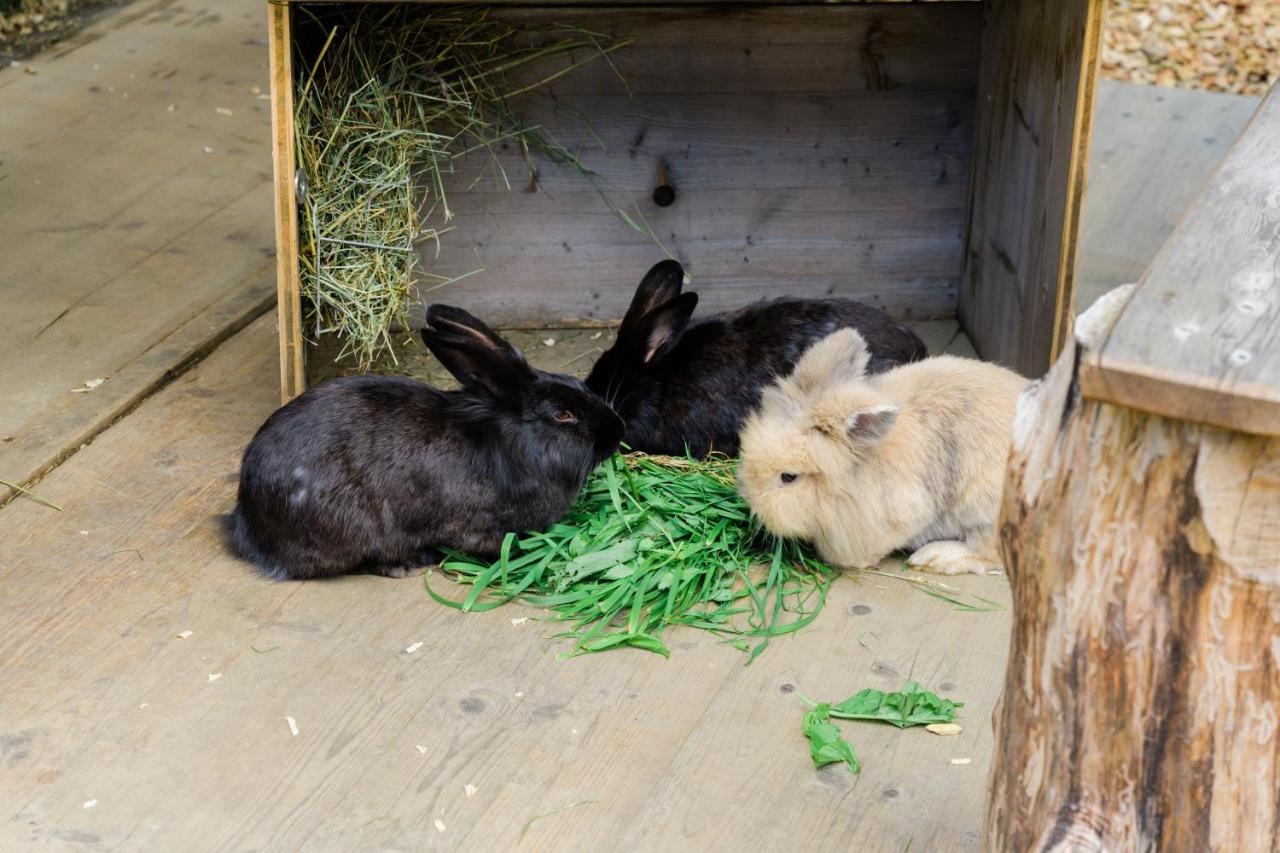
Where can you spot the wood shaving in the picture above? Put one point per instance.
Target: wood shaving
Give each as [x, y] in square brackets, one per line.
[88, 386]
[412, 648]
[439, 825]
[422, 749]
[185, 635]
[470, 790]
[958, 761]
[88, 804]
[214, 676]
[293, 725]
[944, 728]
[520, 621]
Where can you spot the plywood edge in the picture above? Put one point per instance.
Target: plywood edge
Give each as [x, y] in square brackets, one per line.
[280, 57]
[1247, 408]
[1064, 309]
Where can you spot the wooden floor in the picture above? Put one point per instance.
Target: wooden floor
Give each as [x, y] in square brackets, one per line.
[129, 255]
[135, 212]
[122, 731]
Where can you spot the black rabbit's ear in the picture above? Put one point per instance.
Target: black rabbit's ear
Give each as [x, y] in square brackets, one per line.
[660, 285]
[661, 329]
[476, 355]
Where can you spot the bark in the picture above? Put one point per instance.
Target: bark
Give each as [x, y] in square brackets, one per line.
[1142, 697]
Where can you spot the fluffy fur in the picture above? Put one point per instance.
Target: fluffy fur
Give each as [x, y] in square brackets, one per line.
[373, 474]
[863, 465]
[681, 383]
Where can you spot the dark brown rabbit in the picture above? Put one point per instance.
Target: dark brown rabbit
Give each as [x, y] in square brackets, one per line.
[372, 474]
[681, 384]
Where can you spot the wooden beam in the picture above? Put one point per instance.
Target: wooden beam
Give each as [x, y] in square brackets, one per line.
[1142, 696]
[280, 56]
[1200, 339]
[1035, 104]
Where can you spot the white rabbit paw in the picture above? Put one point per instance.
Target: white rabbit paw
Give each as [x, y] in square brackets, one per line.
[948, 557]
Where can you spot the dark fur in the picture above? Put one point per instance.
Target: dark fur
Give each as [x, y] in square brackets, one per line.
[373, 473]
[703, 378]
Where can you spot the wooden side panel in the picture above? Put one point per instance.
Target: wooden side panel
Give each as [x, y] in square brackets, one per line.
[814, 150]
[1034, 114]
[280, 55]
[1200, 339]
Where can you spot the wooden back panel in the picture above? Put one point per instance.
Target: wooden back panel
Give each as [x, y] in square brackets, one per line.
[815, 151]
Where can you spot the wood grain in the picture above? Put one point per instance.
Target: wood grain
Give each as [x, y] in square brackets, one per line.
[293, 377]
[1154, 149]
[103, 700]
[127, 249]
[1141, 700]
[1200, 339]
[818, 151]
[1033, 128]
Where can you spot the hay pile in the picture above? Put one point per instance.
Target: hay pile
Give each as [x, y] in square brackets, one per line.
[393, 99]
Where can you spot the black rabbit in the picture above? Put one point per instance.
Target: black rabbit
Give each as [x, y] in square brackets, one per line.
[371, 474]
[679, 384]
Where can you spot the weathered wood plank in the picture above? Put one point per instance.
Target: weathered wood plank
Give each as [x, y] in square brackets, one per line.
[127, 248]
[1154, 149]
[1200, 339]
[1141, 700]
[1035, 108]
[815, 151]
[104, 702]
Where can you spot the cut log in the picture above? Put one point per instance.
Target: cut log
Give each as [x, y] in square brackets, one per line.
[1142, 698]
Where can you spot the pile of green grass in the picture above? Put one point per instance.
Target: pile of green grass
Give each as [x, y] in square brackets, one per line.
[652, 542]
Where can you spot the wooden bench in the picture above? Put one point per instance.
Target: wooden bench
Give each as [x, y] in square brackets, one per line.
[1141, 530]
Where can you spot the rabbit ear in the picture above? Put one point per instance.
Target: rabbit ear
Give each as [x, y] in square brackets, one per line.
[474, 353]
[871, 424]
[660, 285]
[660, 330]
[839, 357]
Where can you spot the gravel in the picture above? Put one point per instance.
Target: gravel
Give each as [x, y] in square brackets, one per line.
[1194, 44]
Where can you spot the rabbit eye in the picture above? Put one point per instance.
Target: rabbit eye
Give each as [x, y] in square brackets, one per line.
[789, 478]
[565, 417]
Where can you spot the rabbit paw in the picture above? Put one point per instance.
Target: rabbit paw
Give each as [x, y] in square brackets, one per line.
[404, 570]
[948, 557]
[411, 568]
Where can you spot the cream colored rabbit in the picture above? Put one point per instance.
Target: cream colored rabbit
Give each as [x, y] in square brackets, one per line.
[864, 465]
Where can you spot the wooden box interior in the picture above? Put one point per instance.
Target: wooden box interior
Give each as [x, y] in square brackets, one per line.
[922, 157]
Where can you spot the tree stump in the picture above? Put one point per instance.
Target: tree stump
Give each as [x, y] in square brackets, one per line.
[1141, 704]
